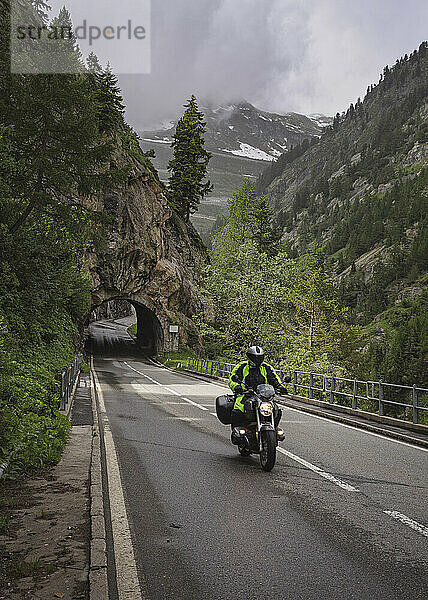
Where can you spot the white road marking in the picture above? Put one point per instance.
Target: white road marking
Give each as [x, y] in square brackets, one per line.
[407, 521]
[331, 421]
[194, 403]
[357, 429]
[318, 470]
[170, 390]
[166, 387]
[114, 481]
[128, 585]
[345, 486]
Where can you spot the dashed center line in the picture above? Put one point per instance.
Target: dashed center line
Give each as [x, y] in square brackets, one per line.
[407, 521]
[335, 480]
[194, 403]
[302, 461]
[168, 389]
[319, 471]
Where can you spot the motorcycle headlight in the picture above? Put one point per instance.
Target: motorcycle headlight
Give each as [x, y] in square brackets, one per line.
[266, 408]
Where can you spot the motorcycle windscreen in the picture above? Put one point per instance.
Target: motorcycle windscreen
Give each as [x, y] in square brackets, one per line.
[265, 391]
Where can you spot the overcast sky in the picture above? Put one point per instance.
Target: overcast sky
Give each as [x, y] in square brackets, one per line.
[282, 55]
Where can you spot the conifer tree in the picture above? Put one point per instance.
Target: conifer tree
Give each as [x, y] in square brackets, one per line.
[266, 235]
[109, 99]
[42, 8]
[93, 63]
[188, 167]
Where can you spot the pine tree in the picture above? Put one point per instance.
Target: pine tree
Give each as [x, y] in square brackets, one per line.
[64, 54]
[266, 235]
[42, 8]
[188, 167]
[93, 63]
[109, 99]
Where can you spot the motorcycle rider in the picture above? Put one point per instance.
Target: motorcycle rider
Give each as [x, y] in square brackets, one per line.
[247, 375]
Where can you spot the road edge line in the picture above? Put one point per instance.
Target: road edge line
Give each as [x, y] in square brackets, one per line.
[127, 580]
[98, 581]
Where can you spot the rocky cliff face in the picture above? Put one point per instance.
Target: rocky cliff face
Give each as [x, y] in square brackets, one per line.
[150, 257]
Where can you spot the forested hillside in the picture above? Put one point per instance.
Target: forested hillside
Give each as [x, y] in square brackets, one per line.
[59, 140]
[360, 192]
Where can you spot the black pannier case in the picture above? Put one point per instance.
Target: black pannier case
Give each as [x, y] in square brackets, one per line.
[223, 407]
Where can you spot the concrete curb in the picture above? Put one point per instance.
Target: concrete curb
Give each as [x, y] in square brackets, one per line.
[98, 582]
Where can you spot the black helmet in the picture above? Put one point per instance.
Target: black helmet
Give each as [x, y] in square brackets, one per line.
[255, 355]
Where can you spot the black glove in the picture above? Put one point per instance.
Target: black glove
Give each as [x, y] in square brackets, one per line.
[239, 390]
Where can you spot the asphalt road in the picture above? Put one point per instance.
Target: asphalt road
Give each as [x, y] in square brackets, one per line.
[342, 516]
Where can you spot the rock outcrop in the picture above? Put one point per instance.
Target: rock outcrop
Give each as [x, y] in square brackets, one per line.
[150, 259]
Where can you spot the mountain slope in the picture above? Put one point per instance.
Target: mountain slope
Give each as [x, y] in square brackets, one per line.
[361, 192]
[242, 140]
[244, 130]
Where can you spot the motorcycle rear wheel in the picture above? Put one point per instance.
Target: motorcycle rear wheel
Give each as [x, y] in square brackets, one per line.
[268, 452]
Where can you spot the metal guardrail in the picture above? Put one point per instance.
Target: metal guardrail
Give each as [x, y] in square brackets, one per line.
[331, 388]
[69, 376]
[68, 379]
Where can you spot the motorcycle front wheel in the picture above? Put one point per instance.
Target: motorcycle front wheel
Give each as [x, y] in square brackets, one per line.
[268, 451]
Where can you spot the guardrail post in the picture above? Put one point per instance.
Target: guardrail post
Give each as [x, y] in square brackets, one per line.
[311, 383]
[415, 404]
[332, 388]
[381, 412]
[295, 383]
[63, 388]
[354, 395]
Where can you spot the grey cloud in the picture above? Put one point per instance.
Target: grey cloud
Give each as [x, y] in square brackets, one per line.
[302, 55]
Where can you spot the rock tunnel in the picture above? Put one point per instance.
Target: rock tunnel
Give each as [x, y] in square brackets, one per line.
[150, 333]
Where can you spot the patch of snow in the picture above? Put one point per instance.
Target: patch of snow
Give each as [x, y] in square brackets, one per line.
[225, 108]
[166, 125]
[248, 151]
[265, 118]
[164, 141]
[231, 127]
[319, 119]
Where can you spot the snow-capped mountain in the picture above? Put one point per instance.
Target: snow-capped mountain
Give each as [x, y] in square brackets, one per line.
[248, 132]
[242, 139]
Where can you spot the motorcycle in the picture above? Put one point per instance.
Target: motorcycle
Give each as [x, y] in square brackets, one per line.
[261, 433]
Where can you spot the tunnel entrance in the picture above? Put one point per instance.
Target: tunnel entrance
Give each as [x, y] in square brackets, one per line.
[149, 331]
